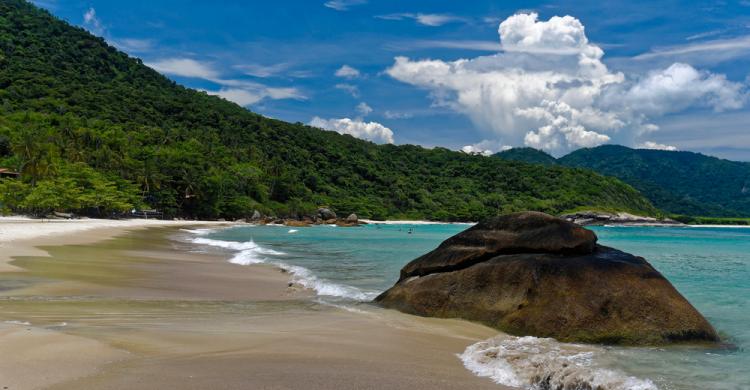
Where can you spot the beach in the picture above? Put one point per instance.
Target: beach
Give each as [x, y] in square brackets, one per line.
[122, 304]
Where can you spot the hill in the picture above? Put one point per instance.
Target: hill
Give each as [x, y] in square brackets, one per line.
[97, 132]
[678, 182]
[527, 155]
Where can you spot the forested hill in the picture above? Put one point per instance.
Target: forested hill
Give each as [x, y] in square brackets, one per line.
[678, 182]
[95, 131]
[528, 155]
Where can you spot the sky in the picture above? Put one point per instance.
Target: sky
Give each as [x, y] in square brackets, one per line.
[478, 76]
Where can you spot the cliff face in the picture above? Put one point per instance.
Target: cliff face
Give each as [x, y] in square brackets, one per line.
[534, 274]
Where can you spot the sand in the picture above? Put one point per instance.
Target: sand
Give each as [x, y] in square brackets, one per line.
[145, 311]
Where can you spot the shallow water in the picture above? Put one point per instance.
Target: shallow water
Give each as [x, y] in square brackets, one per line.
[710, 266]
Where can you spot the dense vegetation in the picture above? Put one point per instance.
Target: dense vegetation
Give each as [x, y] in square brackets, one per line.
[529, 155]
[97, 132]
[678, 182]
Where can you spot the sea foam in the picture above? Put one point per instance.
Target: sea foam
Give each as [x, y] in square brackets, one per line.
[248, 252]
[542, 363]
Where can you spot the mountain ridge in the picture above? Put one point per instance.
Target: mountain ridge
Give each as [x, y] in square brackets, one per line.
[680, 182]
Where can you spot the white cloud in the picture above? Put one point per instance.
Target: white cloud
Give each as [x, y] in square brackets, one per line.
[351, 89]
[242, 92]
[485, 148]
[133, 45]
[263, 71]
[656, 146]
[282, 69]
[721, 48]
[371, 131]
[397, 114]
[492, 46]
[347, 72]
[184, 67]
[432, 20]
[549, 88]
[343, 5]
[92, 22]
[678, 87]
[239, 96]
[364, 109]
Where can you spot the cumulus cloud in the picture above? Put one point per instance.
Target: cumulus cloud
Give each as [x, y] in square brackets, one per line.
[549, 88]
[656, 146]
[432, 20]
[347, 72]
[371, 131]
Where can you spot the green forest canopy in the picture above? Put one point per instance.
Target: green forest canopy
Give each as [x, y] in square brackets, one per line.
[678, 182]
[97, 132]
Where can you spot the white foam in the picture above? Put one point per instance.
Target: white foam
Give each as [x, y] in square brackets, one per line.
[14, 322]
[292, 231]
[249, 252]
[542, 363]
[199, 232]
[307, 279]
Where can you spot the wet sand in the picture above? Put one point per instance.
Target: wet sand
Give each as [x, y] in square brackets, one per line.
[144, 311]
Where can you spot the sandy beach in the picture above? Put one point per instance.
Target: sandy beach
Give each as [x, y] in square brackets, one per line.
[123, 304]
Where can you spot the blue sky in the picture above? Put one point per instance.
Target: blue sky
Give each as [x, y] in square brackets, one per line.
[477, 75]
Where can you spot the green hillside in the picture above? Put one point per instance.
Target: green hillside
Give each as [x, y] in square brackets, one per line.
[97, 132]
[678, 182]
[528, 155]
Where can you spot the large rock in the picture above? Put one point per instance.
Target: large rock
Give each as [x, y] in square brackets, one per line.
[529, 232]
[325, 214]
[534, 274]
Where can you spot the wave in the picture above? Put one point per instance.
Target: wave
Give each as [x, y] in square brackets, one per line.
[292, 231]
[543, 363]
[249, 252]
[199, 232]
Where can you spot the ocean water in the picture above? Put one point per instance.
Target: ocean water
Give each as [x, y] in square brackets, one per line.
[710, 266]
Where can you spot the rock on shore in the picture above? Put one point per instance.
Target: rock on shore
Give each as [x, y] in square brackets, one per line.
[534, 274]
[603, 218]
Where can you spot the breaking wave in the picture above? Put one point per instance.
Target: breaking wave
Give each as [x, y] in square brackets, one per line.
[546, 364]
[249, 252]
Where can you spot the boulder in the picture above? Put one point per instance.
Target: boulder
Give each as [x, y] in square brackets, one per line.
[296, 223]
[534, 274]
[352, 218]
[326, 214]
[256, 216]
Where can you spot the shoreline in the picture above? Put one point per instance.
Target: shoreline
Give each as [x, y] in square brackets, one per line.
[137, 308]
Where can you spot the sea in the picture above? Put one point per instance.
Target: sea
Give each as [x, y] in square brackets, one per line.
[710, 266]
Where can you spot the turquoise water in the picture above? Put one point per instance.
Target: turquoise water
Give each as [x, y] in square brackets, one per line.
[710, 266]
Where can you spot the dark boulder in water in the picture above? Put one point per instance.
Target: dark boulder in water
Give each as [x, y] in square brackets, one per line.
[534, 274]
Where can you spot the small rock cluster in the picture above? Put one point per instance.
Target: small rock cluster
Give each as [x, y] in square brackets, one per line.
[323, 216]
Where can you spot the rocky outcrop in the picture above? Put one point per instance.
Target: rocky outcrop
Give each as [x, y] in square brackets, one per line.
[604, 218]
[326, 214]
[352, 218]
[534, 274]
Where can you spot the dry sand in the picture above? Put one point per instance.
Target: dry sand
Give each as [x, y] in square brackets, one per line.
[144, 311]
